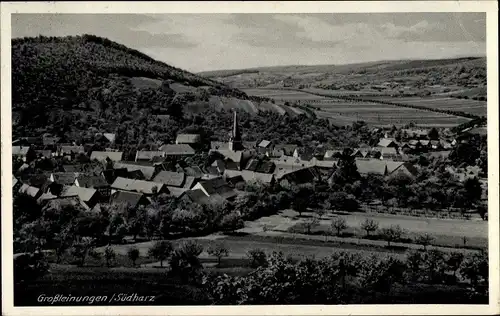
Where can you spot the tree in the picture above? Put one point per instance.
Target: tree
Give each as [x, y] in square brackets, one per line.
[433, 134]
[218, 250]
[257, 257]
[82, 249]
[424, 240]
[320, 212]
[475, 268]
[109, 255]
[482, 210]
[310, 223]
[133, 254]
[231, 222]
[338, 224]
[161, 250]
[392, 233]
[369, 225]
[473, 191]
[185, 262]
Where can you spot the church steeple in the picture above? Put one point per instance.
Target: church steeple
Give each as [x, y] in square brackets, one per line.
[235, 137]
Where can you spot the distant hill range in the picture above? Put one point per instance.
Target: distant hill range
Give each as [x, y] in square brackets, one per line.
[457, 74]
[72, 83]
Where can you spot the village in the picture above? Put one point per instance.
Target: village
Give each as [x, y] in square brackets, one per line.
[238, 161]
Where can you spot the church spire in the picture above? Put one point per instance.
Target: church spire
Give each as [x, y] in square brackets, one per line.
[235, 139]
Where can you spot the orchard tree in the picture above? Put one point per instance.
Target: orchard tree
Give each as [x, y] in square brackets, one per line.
[218, 250]
[338, 224]
[369, 225]
[391, 234]
[232, 222]
[109, 255]
[161, 250]
[310, 223]
[424, 240]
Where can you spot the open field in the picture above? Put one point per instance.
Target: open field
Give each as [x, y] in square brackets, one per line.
[444, 103]
[342, 112]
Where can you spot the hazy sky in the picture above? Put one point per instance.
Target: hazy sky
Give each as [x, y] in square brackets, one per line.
[199, 42]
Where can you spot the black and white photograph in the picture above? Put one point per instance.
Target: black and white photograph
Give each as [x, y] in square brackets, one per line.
[264, 158]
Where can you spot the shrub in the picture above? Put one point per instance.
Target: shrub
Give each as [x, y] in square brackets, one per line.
[257, 257]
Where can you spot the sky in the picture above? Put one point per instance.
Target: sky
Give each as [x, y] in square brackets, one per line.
[203, 42]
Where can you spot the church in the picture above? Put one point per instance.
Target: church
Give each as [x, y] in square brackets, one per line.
[236, 152]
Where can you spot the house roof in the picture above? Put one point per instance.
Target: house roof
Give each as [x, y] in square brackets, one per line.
[111, 137]
[385, 142]
[176, 191]
[288, 149]
[148, 155]
[218, 186]
[264, 144]
[266, 167]
[50, 140]
[424, 142]
[131, 198]
[193, 171]
[64, 201]
[29, 190]
[102, 155]
[252, 164]
[303, 175]
[71, 149]
[111, 174]
[14, 181]
[91, 181]
[85, 194]
[170, 178]
[249, 144]
[65, 178]
[250, 176]
[44, 153]
[188, 138]
[387, 150]
[188, 183]
[136, 185]
[197, 196]
[177, 149]
[46, 197]
[147, 171]
[235, 156]
[20, 150]
[332, 153]
[371, 166]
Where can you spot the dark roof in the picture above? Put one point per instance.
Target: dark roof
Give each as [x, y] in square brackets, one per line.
[131, 198]
[147, 171]
[252, 164]
[65, 178]
[111, 174]
[266, 167]
[304, 175]
[71, 149]
[218, 186]
[91, 181]
[170, 178]
[196, 196]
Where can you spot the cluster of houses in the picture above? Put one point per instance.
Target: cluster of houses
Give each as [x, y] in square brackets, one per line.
[111, 179]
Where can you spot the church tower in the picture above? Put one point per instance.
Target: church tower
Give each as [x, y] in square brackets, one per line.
[235, 143]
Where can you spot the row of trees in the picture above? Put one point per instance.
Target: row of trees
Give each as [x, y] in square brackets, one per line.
[345, 278]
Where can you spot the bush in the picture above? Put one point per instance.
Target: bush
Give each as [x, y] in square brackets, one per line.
[185, 262]
[30, 266]
[257, 257]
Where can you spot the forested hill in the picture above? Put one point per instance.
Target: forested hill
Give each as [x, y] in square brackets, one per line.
[65, 85]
